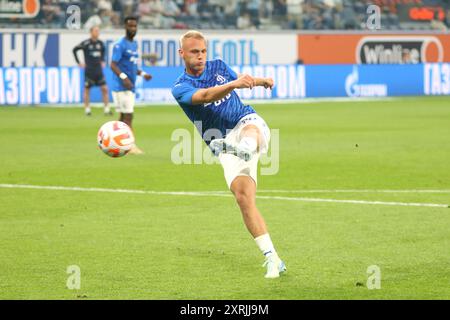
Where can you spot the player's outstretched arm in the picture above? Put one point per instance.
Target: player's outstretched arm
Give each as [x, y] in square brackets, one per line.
[219, 92]
[264, 82]
[261, 82]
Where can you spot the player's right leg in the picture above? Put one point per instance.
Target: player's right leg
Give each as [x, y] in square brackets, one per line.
[100, 81]
[253, 135]
[124, 101]
[106, 109]
[86, 99]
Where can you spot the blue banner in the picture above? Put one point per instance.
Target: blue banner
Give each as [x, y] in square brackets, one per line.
[29, 49]
[64, 85]
[364, 80]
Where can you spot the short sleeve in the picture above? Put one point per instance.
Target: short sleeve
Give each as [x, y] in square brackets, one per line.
[183, 92]
[117, 52]
[232, 73]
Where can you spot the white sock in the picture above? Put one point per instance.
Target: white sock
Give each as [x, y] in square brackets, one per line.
[87, 110]
[107, 109]
[265, 245]
[248, 143]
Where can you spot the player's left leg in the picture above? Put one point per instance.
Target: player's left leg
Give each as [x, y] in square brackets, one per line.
[105, 98]
[251, 135]
[244, 190]
[125, 106]
[127, 118]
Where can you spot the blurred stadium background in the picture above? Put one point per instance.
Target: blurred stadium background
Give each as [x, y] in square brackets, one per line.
[245, 14]
[393, 53]
[386, 50]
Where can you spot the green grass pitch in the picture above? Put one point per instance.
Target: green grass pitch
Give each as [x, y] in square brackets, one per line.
[163, 246]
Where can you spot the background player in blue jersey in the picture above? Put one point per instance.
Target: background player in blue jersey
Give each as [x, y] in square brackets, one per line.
[205, 92]
[124, 65]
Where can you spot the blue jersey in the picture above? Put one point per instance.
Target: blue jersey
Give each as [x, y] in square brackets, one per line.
[223, 114]
[125, 55]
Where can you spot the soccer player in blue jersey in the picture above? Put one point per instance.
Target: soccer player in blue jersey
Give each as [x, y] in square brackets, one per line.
[124, 65]
[205, 92]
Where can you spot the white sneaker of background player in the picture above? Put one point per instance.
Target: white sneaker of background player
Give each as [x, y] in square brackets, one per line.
[274, 266]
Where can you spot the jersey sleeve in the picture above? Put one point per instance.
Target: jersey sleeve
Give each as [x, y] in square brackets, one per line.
[117, 52]
[232, 73]
[103, 51]
[75, 51]
[183, 92]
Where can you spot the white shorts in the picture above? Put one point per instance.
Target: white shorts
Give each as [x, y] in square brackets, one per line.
[234, 166]
[124, 101]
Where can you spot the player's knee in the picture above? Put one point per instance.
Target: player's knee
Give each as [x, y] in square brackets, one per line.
[244, 197]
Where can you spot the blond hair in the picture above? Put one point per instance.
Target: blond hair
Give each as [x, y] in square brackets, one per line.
[192, 34]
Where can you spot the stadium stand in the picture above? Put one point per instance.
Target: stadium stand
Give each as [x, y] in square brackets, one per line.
[245, 14]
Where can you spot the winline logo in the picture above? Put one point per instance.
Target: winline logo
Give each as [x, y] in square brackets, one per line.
[399, 50]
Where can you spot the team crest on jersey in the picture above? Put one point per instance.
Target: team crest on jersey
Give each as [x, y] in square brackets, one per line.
[220, 79]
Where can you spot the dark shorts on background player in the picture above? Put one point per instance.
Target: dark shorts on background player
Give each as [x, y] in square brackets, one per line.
[94, 79]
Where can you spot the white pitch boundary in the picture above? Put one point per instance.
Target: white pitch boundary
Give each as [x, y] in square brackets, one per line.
[357, 191]
[220, 194]
[443, 191]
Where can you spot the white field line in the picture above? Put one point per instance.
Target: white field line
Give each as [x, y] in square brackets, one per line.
[393, 191]
[220, 194]
[405, 204]
[357, 191]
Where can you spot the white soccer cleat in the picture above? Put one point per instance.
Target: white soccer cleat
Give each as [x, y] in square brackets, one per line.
[220, 146]
[275, 266]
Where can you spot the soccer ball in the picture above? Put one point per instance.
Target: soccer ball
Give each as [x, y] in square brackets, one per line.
[115, 138]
